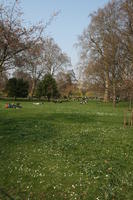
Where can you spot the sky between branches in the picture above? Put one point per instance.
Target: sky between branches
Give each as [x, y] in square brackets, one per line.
[71, 21]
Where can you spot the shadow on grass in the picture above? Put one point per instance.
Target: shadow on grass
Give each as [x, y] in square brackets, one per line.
[6, 195]
[49, 125]
[80, 118]
[71, 118]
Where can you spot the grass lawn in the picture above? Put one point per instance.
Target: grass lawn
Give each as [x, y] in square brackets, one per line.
[65, 151]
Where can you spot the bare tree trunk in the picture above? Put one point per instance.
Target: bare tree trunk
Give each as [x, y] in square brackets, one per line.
[33, 88]
[130, 102]
[125, 119]
[106, 93]
[0, 78]
[114, 95]
[131, 120]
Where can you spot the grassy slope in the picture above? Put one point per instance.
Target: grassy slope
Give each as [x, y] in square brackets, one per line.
[65, 151]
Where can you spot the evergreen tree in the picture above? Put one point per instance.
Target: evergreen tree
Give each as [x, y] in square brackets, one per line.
[17, 88]
[47, 87]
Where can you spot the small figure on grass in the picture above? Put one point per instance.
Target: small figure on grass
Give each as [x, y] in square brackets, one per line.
[13, 105]
[84, 100]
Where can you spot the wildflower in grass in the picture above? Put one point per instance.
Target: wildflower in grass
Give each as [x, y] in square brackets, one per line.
[73, 186]
[110, 169]
[97, 177]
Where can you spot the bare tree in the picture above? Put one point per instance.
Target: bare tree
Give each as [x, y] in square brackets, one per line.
[66, 82]
[103, 48]
[54, 59]
[14, 37]
[45, 57]
[92, 43]
[21, 46]
[32, 63]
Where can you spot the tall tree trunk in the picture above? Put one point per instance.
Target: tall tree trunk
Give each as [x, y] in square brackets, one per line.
[114, 94]
[106, 93]
[130, 102]
[0, 78]
[33, 88]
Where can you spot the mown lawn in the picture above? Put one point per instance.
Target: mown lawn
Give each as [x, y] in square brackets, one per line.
[65, 151]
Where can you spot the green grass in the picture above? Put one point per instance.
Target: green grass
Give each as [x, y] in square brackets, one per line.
[65, 151]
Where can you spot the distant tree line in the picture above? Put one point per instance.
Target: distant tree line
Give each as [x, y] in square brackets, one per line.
[106, 51]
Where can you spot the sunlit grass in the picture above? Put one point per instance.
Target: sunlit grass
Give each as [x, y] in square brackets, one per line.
[65, 151]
